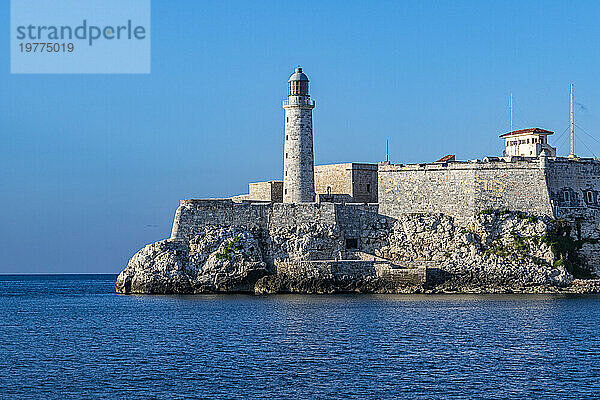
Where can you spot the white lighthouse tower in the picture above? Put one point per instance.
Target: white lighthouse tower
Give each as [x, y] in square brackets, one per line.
[298, 159]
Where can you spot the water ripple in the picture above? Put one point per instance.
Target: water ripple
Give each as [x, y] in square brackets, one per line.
[72, 338]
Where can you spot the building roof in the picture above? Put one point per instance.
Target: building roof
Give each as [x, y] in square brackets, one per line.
[298, 75]
[539, 131]
[449, 157]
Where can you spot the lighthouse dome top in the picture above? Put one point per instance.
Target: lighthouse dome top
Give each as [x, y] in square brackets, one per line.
[298, 75]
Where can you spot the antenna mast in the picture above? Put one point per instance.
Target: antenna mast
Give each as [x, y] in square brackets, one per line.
[572, 126]
[387, 152]
[511, 113]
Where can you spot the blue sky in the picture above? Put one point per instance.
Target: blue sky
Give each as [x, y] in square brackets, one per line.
[93, 166]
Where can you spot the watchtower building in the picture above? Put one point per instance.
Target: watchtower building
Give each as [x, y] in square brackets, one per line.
[530, 142]
[298, 158]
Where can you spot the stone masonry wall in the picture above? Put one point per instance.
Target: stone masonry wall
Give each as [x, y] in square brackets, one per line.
[559, 188]
[516, 186]
[426, 188]
[458, 190]
[553, 187]
[462, 189]
[338, 177]
[193, 215]
[352, 221]
[574, 189]
[354, 268]
[574, 184]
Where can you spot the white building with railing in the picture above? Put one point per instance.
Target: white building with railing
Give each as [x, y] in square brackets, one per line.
[528, 143]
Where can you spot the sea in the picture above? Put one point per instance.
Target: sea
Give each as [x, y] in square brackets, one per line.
[73, 337]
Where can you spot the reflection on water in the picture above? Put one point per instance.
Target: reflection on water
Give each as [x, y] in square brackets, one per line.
[74, 338]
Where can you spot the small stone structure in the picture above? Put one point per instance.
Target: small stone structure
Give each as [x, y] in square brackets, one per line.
[271, 191]
[347, 182]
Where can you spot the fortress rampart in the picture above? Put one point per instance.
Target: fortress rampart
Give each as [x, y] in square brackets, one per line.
[543, 186]
[557, 188]
[554, 187]
[192, 215]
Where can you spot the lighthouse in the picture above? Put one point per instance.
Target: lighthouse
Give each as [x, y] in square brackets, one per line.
[298, 159]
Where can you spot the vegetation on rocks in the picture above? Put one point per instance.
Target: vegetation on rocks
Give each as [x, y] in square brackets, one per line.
[565, 247]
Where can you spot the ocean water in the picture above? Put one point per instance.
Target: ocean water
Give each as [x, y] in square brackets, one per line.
[72, 337]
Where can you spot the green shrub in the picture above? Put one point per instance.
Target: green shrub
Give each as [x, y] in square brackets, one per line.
[521, 215]
[230, 247]
[565, 247]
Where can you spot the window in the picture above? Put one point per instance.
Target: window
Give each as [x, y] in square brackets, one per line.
[590, 197]
[286, 137]
[352, 243]
[286, 155]
[287, 119]
[527, 141]
[368, 188]
[285, 191]
[566, 196]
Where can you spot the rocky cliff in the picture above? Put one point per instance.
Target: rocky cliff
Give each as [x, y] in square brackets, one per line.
[495, 251]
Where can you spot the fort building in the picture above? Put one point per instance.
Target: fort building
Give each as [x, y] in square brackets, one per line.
[528, 178]
[385, 224]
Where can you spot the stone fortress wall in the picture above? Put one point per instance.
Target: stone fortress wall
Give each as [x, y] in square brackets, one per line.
[557, 188]
[462, 189]
[351, 230]
[192, 215]
[334, 178]
[552, 187]
[573, 185]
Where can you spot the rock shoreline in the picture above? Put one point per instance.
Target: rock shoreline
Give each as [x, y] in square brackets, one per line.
[494, 253]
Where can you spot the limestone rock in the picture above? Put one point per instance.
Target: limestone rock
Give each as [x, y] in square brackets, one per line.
[498, 252]
[219, 260]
